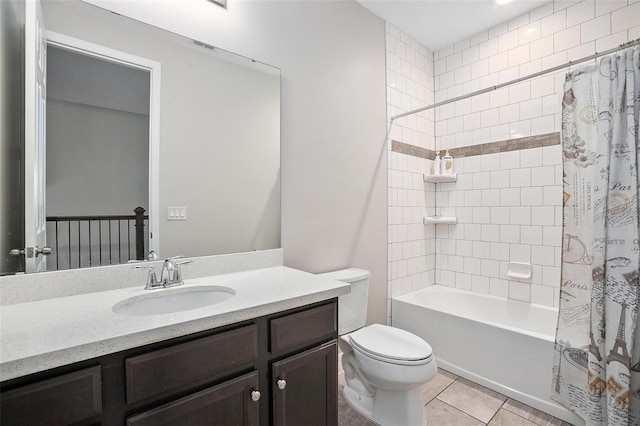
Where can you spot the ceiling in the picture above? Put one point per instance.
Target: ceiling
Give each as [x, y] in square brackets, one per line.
[441, 23]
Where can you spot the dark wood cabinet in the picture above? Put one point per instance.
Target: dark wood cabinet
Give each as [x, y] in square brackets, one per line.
[190, 364]
[304, 388]
[224, 376]
[229, 403]
[61, 400]
[295, 330]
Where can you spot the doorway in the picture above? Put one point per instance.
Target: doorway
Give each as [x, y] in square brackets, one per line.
[99, 155]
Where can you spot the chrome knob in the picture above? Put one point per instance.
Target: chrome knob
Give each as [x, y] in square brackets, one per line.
[16, 252]
[281, 384]
[255, 396]
[44, 250]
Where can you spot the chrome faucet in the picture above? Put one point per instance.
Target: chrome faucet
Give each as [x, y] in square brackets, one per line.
[170, 276]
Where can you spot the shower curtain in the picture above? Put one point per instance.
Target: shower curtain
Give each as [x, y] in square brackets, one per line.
[597, 351]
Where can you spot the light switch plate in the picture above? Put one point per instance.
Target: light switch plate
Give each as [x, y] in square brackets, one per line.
[177, 213]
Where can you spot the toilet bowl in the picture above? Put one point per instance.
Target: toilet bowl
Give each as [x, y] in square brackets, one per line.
[384, 366]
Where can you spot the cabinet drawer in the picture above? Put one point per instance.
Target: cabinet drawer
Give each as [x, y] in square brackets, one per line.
[303, 328]
[62, 400]
[228, 403]
[190, 364]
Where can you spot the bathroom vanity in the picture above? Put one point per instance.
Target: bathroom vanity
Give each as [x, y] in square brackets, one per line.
[268, 355]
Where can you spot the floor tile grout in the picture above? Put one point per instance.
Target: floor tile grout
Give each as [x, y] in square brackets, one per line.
[463, 412]
[443, 389]
[501, 408]
[453, 406]
[497, 411]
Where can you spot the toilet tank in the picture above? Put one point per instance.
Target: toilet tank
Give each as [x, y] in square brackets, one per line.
[352, 307]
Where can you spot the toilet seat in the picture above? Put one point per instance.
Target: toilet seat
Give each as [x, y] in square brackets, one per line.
[391, 345]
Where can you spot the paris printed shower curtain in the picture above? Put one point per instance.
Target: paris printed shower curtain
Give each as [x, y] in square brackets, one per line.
[597, 350]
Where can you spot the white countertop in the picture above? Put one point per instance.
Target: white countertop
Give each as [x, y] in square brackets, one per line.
[36, 336]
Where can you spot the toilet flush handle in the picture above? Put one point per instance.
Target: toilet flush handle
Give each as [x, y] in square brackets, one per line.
[281, 384]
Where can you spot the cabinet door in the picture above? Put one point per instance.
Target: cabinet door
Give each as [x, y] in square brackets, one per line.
[305, 388]
[232, 403]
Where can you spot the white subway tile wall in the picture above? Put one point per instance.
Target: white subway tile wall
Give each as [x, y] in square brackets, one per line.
[508, 204]
[411, 263]
[511, 212]
[522, 190]
[548, 36]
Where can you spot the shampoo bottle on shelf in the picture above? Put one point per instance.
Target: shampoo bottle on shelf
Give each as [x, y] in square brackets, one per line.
[447, 164]
[436, 164]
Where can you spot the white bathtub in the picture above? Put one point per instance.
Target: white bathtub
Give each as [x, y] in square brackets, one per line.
[505, 345]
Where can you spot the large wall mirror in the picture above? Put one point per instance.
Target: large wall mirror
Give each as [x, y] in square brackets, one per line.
[138, 117]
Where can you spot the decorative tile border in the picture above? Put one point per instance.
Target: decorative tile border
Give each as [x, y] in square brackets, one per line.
[416, 151]
[538, 141]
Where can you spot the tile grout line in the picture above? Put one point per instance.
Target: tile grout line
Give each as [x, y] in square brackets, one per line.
[498, 410]
[471, 415]
[502, 407]
[462, 412]
[456, 408]
[444, 389]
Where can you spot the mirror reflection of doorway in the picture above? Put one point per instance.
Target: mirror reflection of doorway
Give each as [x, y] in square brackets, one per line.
[97, 160]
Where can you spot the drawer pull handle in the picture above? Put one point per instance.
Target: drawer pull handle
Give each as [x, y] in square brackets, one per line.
[255, 396]
[281, 384]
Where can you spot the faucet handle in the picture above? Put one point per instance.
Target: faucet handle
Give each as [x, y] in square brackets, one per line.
[178, 270]
[152, 279]
[169, 264]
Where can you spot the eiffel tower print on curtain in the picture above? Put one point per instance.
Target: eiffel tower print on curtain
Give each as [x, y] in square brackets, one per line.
[619, 350]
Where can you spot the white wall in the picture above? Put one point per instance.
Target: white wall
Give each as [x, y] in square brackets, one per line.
[509, 204]
[333, 152]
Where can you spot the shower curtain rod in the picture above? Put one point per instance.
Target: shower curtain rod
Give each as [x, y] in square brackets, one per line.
[517, 80]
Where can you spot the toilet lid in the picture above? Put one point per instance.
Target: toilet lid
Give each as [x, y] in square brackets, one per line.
[390, 343]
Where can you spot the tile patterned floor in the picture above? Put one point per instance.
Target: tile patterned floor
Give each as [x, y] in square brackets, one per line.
[453, 401]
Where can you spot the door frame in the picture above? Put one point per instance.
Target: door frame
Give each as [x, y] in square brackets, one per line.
[153, 67]
[35, 69]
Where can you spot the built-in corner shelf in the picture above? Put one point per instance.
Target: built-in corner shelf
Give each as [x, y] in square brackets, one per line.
[440, 220]
[439, 178]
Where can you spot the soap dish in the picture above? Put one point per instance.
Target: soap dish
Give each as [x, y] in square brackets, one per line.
[519, 270]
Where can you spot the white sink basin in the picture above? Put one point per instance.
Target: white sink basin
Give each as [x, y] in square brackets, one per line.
[166, 301]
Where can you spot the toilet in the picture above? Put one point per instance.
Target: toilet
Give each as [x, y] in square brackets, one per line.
[384, 366]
